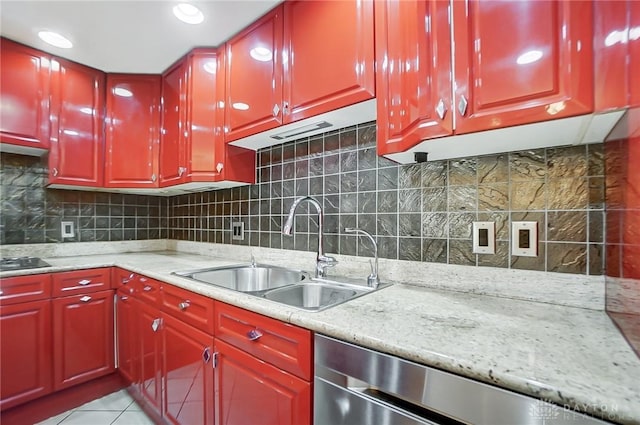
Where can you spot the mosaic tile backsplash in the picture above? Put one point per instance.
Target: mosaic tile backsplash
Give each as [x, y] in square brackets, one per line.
[30, 213]
[420, 212]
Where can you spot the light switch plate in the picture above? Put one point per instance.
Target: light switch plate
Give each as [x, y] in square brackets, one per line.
[484, 237]
[67, 229]
[524, 238]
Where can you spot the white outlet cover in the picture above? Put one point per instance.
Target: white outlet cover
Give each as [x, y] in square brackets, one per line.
[490, 227]
[527, 232]
[66, 229]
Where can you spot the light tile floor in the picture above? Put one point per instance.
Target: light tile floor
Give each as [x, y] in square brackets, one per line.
[117, 408]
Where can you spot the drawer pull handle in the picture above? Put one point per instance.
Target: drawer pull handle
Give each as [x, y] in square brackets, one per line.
[84, 282]
[206, 355]
[85, 299]
[147, 288]
[155, 325]
[254, 335]
[184, 305]
[124, 298]
[126, 280]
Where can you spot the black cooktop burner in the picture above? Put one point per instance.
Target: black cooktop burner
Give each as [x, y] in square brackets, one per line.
[20, 263]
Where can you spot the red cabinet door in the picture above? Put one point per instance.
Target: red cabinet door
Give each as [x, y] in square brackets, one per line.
[172, 168]
[250, 391]
[127, 334]
[413, 44]
[25, 352]
[535, 65]
[77, 113]
[24, 95]
[132, 130]
[187, 374]
[634, 53]
[150, 345]
[82, 338]
[330, 51]
[254, 78]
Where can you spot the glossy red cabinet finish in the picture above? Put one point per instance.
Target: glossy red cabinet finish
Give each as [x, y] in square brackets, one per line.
[80, 282]
[25, 353]
[132, 133]
[173, 120]
[24, 95]
[122, 277]
[20, 289]
[150, 339]
[76, 155]
[187, 373]
[330, 50]
[127, 334]
[189, 307]
[281, 344]
[414, 73]
[83, 338]
[634, 53]
[254, 77]
[251, 391]
[536, 65]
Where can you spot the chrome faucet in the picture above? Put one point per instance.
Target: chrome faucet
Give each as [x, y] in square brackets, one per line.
[322, 261]
[372, 280]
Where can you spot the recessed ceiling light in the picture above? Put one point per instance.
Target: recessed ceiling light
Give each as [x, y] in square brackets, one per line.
[55, 39]
[119, 91]
[188, 13]
[261, 54]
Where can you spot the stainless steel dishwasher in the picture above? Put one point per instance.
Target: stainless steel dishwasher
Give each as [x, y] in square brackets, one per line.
[358, 386]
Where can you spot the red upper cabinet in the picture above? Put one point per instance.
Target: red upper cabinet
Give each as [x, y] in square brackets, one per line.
[254, 77]
[76, 155]
[413, 78]
[535, 65]
[24, 95]
[634, 53]
[330, 51]
[132, 130]
[172, 170]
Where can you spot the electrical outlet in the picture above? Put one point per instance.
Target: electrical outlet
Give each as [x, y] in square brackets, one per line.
[524, 238]
[237, 230]
[484, 237]
[67, 229]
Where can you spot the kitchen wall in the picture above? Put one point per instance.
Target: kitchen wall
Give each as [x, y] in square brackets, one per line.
[29, 213]
[622, 159]
[419, 212]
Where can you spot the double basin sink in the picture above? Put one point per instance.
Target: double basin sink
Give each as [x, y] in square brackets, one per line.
[287, 286]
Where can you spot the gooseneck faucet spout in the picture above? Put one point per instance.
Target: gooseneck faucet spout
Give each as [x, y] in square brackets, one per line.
[322, 261]
[372, 280]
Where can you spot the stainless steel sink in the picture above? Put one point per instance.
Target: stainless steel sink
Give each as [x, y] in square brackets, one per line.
[247, 278]
[287, 286]
[316, 295]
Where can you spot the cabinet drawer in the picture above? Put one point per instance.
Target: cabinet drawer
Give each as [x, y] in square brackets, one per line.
[22, 289]
[147, 289]
[121, 277]
[281, 344]
[80, 282]
[191, 308]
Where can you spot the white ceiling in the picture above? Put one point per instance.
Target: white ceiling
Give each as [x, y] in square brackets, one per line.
[124, 35]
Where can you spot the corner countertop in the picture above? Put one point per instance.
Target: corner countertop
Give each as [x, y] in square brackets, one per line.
[571, 356]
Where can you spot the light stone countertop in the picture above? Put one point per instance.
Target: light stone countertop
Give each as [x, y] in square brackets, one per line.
[567, 355]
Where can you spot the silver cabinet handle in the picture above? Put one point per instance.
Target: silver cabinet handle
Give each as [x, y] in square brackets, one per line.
[126, 280]
[441, 109]
[206, 355]
[153, 178]
[85, 299]
[254, 335]
[54, 172]
[184, 305]
[462, 105]
[285, 108]
[276, 110]
[124, 298]
[147, 288]
[219, 166]
[84, 282]
[155, 325]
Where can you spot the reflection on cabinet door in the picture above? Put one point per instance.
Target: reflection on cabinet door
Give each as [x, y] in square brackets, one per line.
[150, 328]
[127, 334]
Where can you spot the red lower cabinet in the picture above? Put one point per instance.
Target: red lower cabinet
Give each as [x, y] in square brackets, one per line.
[187, 373]
[25, 359]
[127, 340]
[251, 391]
[149, 328]
[83, 338]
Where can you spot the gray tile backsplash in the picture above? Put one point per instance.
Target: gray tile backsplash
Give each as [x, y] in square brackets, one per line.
[419, 212]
